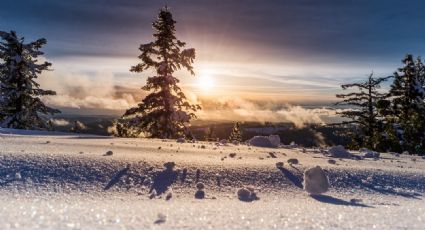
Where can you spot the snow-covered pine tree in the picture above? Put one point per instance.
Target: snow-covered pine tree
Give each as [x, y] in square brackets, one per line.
[20, 103]
[165, 112]
[363, 111]
[407, 107]
[236, 134]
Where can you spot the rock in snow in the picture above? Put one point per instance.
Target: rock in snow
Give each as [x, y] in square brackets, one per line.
[339, 152]
[315, 181]
[272, 141]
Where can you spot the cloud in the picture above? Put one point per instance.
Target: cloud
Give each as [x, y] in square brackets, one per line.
[85, 91]
[60, 122]
[100, 91]
[300, 116]
[238, 109]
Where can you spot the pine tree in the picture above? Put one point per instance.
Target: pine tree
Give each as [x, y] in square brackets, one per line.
[165, 112]
[236, 134]
[20, 103]
[363, 111]
[407, 104]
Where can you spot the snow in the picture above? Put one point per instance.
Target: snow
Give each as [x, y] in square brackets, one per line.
[117, 211]
[367, 153]
[272, 141]
[275, 140]
[339, 152]
[58, 181]
[181, 140]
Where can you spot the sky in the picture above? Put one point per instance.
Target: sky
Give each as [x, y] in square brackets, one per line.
[250, 55]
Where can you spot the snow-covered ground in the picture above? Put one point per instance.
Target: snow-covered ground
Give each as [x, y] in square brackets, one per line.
[65, 181]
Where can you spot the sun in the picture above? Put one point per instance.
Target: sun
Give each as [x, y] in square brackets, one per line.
[206, 82]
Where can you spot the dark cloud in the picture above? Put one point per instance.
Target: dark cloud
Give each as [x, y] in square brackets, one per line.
[330, 29]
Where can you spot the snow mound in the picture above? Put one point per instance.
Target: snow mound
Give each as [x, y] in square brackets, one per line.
[367, 153]
[315, 181]
[275, 140]
[223, 142]
[235, 142]
[272, 141]
[181, 140]
[291, 145]
[395, 154]
[25, 132]
[339, 152]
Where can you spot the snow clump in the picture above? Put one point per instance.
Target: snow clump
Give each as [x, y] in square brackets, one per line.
[315, 181]
[169, 166]
[279, 164]
[369, 153]
[339, 152]
[272, 141]
[200, 194]
[293, 161]
[246, 194]
[181, 140]
[331, 161]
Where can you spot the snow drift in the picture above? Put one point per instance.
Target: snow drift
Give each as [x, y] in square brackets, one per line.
[272, 141]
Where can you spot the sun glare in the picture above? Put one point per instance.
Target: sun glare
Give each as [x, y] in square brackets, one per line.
[205, 82]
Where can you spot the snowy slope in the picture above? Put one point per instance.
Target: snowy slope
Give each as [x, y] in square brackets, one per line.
[64, 181]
